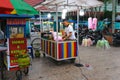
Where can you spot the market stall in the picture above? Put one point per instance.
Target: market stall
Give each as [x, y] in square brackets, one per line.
[16, 58]
[53, 46]
[14, 15]
[60, 49]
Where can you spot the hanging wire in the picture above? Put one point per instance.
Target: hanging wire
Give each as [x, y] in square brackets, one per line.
[88, 12]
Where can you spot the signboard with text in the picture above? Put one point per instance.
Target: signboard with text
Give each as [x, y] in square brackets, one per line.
[16, 46]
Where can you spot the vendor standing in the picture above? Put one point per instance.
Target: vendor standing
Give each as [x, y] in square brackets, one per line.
[69, 32]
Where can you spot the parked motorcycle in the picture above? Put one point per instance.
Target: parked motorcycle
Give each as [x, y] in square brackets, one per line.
[87, 33]
[116, 39]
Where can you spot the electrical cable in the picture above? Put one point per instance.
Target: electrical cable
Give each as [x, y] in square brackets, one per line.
[81, 65]
[83, 74]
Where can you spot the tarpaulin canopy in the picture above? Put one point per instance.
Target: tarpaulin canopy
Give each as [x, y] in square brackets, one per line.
[16, 7]
[34, 2]
[5, 7]
[22, 7]
[51, 4]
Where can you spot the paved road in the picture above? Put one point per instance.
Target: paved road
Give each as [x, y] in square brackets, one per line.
[104, 65]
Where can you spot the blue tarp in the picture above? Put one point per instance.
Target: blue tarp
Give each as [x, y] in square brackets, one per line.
[117, 25]
[14, 16]
[102, 24]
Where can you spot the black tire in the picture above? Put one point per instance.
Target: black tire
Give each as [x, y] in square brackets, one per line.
[44, 55]
[19, 75]
[26, 71]
[115, 44]
[58, 63]
[72, 60]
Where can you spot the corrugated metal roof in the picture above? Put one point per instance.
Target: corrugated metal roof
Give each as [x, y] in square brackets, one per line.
[34, 2]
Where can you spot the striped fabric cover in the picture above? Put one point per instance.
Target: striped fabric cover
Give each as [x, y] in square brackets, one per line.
[65, 49]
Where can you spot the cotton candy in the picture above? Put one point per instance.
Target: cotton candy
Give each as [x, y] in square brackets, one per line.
[90, 23]
[103, 44]
[94, 26]
[87, 42]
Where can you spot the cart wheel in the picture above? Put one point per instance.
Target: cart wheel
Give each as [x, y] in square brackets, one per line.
[72, 60]
[19, 75]
[58, 63]
[36, 43]
[26, 70]
[44, 55]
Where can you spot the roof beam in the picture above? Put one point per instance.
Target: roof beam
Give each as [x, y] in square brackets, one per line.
[39, 5]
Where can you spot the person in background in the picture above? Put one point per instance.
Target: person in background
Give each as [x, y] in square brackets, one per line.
[69, 32]
[33, 29]
[1, 37]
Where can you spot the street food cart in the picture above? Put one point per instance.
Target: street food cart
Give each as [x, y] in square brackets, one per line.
[58, 49]
[16, 57]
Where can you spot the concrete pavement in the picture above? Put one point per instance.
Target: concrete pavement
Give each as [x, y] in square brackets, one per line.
[104, 65]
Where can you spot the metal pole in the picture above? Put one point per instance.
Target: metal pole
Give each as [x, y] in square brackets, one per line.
[57, 27]
[78, 64]
[40, 20]
[67, 5]
[78, 31]
[29, 29]
[113, 15]
[57, 21]
[41, 23]
[67, 2]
